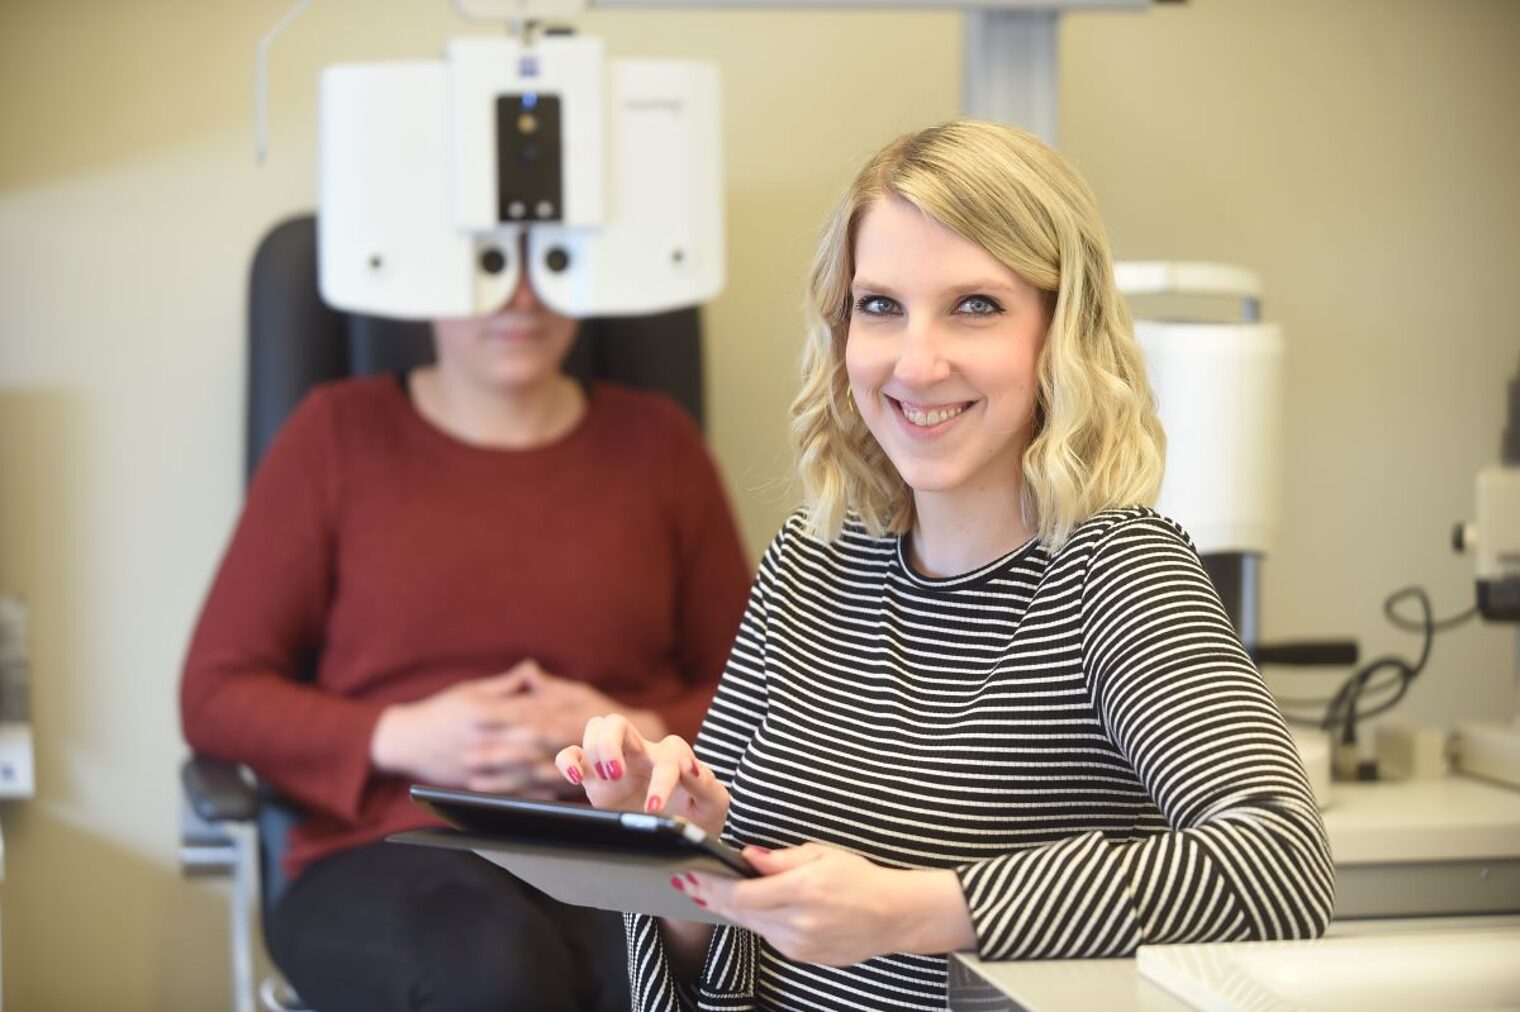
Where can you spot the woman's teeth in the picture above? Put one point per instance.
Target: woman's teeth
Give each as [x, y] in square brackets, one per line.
[931, 416]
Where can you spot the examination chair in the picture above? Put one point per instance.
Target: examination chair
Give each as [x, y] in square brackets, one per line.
[232, 824]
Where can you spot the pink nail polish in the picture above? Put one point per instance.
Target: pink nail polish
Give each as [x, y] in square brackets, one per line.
[691, 878]
[700, 903]
[615, 770]
[653, 804]
[574, 775]
[676, 883]
[601, 771]
[763, 850]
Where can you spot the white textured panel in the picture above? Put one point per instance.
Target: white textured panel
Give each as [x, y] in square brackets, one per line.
[385, 240]
[1218, 390]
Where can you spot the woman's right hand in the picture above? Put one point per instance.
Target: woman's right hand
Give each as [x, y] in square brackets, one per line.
[623, 771]
[467, 735]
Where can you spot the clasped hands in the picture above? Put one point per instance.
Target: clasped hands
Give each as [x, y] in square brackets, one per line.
[814, 903]
[497, 734]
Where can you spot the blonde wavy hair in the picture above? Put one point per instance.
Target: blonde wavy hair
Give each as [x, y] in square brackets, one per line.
[1097, 442]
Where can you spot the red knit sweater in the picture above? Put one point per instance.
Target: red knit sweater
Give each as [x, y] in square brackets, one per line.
[408, 560]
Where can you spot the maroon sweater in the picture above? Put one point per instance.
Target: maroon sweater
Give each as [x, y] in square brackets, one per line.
[409, 561]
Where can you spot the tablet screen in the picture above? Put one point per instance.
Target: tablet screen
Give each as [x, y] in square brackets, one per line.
[579, 826]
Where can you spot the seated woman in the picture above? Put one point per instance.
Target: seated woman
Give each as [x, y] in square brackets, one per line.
[982, 697]
[477, 556]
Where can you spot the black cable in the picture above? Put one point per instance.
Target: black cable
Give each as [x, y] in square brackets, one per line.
[1379, 686]
[1345, 709]
[1435, 624]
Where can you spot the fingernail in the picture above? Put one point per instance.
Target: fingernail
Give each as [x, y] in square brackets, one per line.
[700, 903]
[615, 770]
[574, 775]
[653, 804]
[601, 771]
[695, 769]
[676, 882]
[691, 878]
[762, 850]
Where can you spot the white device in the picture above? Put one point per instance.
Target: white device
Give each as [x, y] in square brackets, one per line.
[18, 773]
[1489, 749]
[1456, 968]
[1218, 389]
[441, 182]
[1493, 538]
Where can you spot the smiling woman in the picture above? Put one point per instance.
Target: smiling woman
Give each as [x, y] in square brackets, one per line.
[986, 223]
[983, 696]
[942, 370]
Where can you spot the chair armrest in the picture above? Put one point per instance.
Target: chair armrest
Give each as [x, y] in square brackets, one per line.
[219, 791]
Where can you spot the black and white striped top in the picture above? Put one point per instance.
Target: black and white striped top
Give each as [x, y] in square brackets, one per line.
[1081, 738]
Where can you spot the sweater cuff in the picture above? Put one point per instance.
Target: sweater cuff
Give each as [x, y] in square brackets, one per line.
[728, 974]
[338, 775]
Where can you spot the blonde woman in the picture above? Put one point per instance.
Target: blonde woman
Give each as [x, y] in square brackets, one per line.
[982, 698]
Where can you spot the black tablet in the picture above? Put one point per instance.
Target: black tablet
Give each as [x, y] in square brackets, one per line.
[576, 826]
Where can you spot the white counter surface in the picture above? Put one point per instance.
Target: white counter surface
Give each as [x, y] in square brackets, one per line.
[1455, 837]
[1116, 985]
[1455, 818]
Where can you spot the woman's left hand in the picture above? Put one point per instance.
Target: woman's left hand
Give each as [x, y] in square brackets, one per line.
[552, 711]
[815, 903]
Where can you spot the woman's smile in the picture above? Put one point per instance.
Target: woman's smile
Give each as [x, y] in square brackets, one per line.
[926, 419]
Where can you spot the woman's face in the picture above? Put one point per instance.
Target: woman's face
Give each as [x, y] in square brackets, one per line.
[521, 345]
[941, 352]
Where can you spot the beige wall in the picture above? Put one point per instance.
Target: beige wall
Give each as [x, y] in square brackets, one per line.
[1359, 154]
[1362, 157]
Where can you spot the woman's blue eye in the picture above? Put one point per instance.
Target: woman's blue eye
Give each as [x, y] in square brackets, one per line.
[979, 305]
[875, 305]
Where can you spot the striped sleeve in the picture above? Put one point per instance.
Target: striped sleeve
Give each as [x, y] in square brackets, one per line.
[737, 709]
[1246, 856]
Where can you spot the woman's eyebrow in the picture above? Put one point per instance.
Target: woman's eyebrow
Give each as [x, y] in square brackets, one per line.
[986, 285]
[861, 284]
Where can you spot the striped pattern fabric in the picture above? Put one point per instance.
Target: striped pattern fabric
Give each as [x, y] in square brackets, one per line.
[1081, 738]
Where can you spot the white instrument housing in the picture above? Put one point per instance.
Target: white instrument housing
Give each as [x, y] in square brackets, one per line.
[1218, 389]
[420, 161]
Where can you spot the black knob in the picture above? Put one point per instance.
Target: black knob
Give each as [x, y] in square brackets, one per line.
[557, 259]
[493, 260]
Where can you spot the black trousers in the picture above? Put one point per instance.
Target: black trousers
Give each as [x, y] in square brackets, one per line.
[420, 929]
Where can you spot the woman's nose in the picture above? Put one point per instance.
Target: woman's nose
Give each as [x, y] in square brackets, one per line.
[921, 361]
[524, 299]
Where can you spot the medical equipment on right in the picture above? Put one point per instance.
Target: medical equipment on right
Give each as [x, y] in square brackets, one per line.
[1491, 749]
[1219, 392]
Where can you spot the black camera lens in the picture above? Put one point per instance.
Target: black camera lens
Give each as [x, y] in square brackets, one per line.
[557, 259]
[492, 260]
